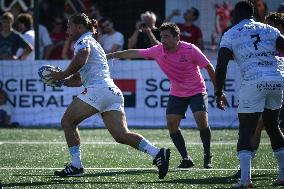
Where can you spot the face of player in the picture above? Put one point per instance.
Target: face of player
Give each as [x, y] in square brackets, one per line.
[169, 42]
[73, 31]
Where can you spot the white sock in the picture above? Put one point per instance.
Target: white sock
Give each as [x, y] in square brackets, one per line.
[279, 154]
[245, 165]
[148, 147]
[75, 153]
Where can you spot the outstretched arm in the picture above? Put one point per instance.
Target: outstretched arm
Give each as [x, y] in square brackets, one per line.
[126, 54]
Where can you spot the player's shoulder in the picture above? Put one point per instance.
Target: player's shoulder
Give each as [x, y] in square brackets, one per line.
[186, 45]
[158, 47]
[238, 28]
[78, 43]
[271, 28]
[84, 38]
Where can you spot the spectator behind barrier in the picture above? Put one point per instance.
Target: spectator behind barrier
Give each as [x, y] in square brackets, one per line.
[58, 35]
[111, 40]
[146, 34]
[25, 27]
[5, 111]
[11, 41]
[189, 32]
[95, 12]
[222, 21]
[44, 39]
[260, 12]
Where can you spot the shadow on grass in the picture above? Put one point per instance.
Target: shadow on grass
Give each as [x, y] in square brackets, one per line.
[77, 180]
[208, 181]
[218, 180]
[57, 182]
[89, 174]
[125, 172]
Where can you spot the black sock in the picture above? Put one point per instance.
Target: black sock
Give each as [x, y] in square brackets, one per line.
[205, 135]
[178, 141]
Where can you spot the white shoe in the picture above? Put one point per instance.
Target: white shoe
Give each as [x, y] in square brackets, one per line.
[242, 185]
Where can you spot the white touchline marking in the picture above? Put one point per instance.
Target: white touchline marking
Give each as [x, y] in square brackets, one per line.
[129, 168]
[114, 143]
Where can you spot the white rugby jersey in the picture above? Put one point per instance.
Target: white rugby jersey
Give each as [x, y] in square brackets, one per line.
[254, 45]
[95, 72]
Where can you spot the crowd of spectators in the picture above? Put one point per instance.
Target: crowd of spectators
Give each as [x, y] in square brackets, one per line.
[53, 43]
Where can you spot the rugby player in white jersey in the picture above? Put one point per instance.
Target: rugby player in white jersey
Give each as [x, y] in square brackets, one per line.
[276, 20]
[253, 46]
[89, 68]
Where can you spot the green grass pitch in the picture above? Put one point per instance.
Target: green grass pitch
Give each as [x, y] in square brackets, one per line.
[28, 158]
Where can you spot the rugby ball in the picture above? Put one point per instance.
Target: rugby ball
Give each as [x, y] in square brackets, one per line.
[43, 73]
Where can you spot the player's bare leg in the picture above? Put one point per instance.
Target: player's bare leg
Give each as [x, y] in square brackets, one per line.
[257, 134]
[270, 119]
[201, 119]
[115, 122]
[76, 112]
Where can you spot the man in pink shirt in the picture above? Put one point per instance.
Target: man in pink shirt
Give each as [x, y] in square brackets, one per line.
[181, 62]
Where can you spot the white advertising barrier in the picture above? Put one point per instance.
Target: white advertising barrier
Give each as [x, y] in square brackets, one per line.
[144, 86]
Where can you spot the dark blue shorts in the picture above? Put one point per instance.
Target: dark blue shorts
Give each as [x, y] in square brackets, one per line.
[179, 105]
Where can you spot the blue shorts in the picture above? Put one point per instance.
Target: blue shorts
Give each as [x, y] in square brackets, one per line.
[179, 105]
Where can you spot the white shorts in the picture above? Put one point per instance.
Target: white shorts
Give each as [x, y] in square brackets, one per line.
[104, 99]
[255, 97]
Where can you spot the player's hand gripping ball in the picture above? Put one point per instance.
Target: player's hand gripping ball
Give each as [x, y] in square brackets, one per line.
[44, 71]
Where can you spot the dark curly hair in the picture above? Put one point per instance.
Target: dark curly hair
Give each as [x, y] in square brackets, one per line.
[82, 18]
